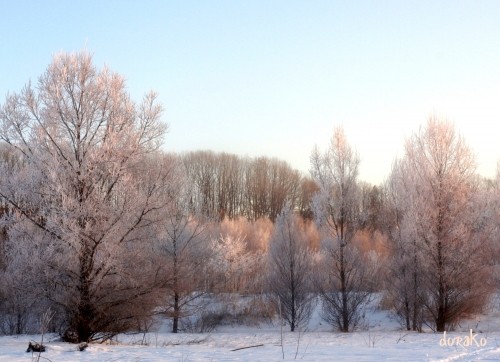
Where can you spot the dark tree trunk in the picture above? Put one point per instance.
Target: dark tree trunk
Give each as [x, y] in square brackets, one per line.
[441, 312]
[293, 317]
[343, 290]
[407, 315]
[175, 323]
[85, 310]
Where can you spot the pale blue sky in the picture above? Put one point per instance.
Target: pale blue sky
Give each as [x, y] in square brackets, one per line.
[275, 77]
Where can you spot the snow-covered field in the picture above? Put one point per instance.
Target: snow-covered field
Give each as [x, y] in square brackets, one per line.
[381, 341]
[313, 346]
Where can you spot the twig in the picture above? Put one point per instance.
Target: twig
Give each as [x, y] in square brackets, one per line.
[401, 338]
[44, 321]
[45, 358]
[298, 344]
[281, 327]
[257, 345]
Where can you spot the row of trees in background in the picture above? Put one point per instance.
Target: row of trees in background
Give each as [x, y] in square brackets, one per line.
[228, 186]
[102, 228]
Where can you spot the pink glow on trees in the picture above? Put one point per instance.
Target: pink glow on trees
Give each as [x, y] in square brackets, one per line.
[88, 180]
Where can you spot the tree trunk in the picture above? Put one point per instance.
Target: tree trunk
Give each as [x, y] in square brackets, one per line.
[175, 324]
[343, 290]
[441, 312]
[292, 289]
[175, 321]
[293, 317]
[407, 314]
[416, 325]
[85, 310]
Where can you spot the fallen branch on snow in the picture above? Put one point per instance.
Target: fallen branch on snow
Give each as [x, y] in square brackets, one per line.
[257, 345]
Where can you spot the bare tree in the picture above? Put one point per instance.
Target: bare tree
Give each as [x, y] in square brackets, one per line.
[85, 179]
[372, 204]
[270, 184]
[290, 269]
[308, 188]
[202, 172]
[344, 290]
[227, 186]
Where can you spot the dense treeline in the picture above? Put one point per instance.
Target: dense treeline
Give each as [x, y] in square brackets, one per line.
[228, 186]
[103, 232]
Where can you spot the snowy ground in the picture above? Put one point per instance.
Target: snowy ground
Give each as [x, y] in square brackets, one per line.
[313, 346]
[383, 340]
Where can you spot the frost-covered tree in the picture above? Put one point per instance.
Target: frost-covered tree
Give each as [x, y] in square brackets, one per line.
[344, 289]
[231, 263]
[238, 256]
[184, 251]
[447, 221]
[290, 266]
[23, 281]
[87, 180]
[405, 279]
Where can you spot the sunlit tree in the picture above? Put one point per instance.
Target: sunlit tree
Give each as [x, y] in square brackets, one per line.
[446, 217]
[337, 207]
[290, 267]
[88, 180]
[183, 247]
